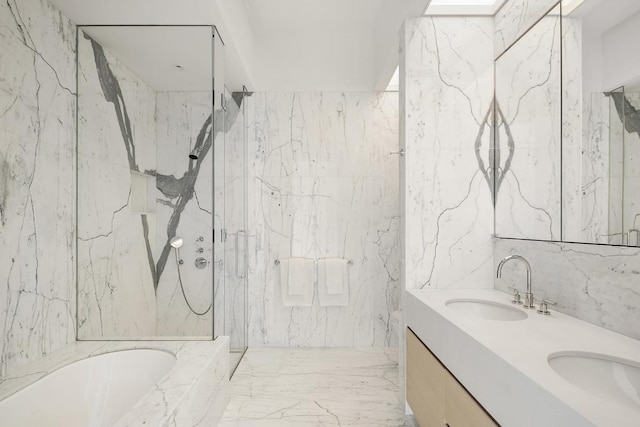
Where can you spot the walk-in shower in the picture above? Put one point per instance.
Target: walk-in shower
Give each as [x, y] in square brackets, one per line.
[161, 197]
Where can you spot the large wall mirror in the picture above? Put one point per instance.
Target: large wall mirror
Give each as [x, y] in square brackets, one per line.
[567, 134]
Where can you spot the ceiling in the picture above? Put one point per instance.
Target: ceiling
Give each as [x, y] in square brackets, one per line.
[270, 45]
[168, 59]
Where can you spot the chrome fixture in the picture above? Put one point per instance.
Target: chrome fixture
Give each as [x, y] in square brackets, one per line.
[195, 153]
[544, 306]
[528, 296]
[201, 263]
[400, 152]
[517, 299]
[277, 262]
[176, 242]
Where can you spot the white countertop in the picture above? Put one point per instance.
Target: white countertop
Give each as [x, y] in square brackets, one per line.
[504, 363]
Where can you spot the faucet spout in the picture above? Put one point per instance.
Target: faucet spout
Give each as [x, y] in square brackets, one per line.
[528, 300]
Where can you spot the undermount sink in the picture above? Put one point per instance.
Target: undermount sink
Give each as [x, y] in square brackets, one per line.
[607, 377]
[486, 309]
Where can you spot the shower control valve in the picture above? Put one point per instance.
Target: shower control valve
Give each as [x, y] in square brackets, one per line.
[201, 263]
[200, 250]
[200, 239]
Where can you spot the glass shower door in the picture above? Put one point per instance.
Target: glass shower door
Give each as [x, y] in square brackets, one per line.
[235, 224]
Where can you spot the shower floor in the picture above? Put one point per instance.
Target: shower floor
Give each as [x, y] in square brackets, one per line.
[315, 387]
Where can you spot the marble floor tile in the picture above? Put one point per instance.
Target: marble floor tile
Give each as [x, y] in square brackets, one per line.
[315, 387]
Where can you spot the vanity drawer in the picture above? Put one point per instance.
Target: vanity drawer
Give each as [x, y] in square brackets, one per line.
[436, 397]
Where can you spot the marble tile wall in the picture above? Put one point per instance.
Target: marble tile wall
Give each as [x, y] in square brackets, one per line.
[116, 144]
[595, 283]
[180, 118]
[129, 284]
[447, 73]
[514, 18]
[37, 200]
[323, 184]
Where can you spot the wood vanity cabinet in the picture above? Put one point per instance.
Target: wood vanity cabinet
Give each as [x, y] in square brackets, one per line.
[436, 397]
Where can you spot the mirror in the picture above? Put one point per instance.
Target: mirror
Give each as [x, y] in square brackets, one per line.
[528, 135]
[568, 127]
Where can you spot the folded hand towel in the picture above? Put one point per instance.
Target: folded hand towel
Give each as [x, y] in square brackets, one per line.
[296, 280]
[333, 282]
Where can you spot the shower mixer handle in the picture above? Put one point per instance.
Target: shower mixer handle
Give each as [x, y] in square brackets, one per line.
[201, 263]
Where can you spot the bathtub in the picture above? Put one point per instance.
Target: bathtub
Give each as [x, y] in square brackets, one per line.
[120, 383]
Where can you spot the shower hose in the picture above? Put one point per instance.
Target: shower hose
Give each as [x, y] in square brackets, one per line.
[185, 295]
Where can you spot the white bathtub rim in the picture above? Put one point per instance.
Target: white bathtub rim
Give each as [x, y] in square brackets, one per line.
[67, 363]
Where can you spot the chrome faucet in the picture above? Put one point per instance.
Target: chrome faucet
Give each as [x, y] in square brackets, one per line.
[528, 297]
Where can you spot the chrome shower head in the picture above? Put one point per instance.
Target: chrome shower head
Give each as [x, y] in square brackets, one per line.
[176, 242]
[194, 154]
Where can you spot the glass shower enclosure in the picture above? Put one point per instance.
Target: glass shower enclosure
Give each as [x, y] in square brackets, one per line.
[160, 215]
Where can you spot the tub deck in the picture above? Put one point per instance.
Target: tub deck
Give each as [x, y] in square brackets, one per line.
[196, 389]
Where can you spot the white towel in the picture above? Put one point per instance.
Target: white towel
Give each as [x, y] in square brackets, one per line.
[333, 282]
[296, 281]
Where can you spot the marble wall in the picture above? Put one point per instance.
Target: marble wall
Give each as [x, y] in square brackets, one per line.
[116, 223]
[514, 18]
[323, 184]
[595, 283]
[37, 200]
[447, 80]
[139, 188]
[529, 134]
[180, 118]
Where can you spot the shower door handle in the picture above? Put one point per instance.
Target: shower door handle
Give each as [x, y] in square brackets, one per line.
[241, 263]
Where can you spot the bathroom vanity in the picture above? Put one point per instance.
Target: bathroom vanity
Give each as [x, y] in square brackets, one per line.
[435, 395]
[474, 359]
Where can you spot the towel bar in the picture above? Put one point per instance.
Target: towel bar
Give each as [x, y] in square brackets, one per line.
[277, 262]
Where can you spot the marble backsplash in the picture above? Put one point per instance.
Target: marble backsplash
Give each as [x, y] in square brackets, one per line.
[323, 184]
[37, 174]
[595, 283]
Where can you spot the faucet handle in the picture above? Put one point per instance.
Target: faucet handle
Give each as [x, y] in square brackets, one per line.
[517, 299]
[544, 306]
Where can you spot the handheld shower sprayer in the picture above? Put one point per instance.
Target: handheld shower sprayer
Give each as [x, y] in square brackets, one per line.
[176, 243]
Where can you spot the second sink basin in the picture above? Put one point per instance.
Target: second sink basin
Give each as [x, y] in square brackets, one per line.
[607, 377]
[486, 309]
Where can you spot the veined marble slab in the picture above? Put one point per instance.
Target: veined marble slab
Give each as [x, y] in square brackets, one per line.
[446, 172]
[514, 18]
[595, 283]
[193, 393]
[315, 387]
[37, 175]
[323, 184]
[529, 96]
